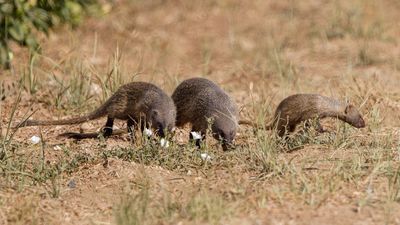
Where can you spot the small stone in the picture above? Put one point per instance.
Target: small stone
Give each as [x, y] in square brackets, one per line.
[71, 184]
[205, 157]
[35, 139]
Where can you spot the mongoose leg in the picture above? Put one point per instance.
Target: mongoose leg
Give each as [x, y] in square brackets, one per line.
[228, 146]
[291, 128]
[142, 125]
[131, 125]
[190, 136]
[284, 129]
[308, 123]
[107, 129]
[318, 126]
[198, 141]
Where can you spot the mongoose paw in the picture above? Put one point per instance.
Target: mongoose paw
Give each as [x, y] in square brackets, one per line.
[228, 147]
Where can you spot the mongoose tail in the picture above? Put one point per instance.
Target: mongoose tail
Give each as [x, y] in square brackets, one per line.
[101, 111]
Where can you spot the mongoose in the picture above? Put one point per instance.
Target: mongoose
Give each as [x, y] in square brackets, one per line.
[304, 107]
[199, 101]
[134, 102]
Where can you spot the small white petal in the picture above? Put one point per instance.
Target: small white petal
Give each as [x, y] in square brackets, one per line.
[95, 89]
[35, 139]
[196, 135]
[147, 132]
[205, 156]
[164, 143]
[57, 148]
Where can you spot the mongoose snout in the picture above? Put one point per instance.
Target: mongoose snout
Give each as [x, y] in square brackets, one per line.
[353, 117]
[225, 131]
[160, 122]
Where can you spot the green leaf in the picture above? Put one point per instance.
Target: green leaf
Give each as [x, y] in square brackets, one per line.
[18, 18]
[40, 19]
[6, 8]
[16, 32]
[31, 42]
[3, 54]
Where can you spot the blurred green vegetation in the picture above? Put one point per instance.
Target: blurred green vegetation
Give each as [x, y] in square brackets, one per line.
[21, 20]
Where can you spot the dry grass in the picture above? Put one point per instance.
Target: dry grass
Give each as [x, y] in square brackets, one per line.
[259, 52]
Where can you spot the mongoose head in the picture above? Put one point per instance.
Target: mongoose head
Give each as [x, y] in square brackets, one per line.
[353, 116]
[224, 130]
[163, 121]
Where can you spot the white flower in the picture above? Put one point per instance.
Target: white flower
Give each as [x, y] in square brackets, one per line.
[196, 135]
[35, 139]
[95, 89]
[164, 143]
[147, 132]
[205, 157]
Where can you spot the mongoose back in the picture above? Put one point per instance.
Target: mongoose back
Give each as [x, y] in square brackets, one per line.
[197, 100]
[302, 107]
[134, 102]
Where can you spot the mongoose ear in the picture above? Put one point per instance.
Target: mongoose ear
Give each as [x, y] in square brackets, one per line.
[347, 109]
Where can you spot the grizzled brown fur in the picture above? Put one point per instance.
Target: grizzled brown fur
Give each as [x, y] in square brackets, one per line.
[133, 102]
[197, 100]
[303, 107]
